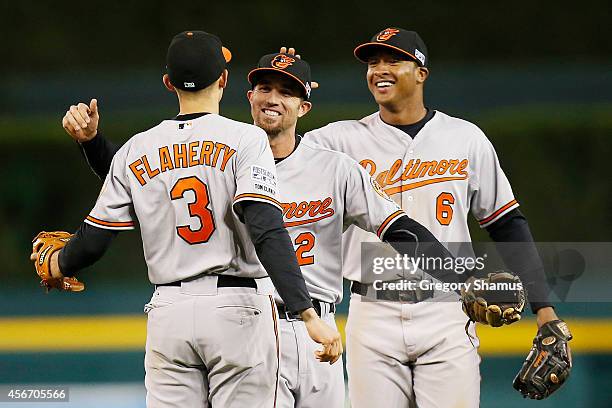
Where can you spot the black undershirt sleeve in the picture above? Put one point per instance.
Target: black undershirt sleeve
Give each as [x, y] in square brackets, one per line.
[99, 153]
[85, 248]
[410, 238]
[523, 258]
[275, 252]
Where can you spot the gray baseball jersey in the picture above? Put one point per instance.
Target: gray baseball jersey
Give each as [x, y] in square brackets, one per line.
[449, 170]
[323, 192]
[179, 180]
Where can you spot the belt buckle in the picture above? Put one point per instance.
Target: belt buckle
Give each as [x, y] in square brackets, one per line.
[288, 316]
[423, 294]
[387, 295]
[407, 295]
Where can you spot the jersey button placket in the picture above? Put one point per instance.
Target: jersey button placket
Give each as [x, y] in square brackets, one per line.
[407, 198]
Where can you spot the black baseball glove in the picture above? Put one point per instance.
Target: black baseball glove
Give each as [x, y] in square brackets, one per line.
[548, 364]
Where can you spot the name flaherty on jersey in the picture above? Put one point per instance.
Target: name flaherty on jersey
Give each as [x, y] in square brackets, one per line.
[200, 153]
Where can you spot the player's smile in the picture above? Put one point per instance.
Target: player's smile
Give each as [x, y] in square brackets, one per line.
[384, 86]
[276, 103]
[270, 112]
[391, 76]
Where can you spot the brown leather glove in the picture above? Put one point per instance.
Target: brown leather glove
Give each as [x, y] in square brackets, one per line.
[495, 300]
[44, 245]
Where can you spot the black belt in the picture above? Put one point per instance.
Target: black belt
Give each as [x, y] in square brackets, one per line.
[417, 295]
[286, 314]
[223, 281]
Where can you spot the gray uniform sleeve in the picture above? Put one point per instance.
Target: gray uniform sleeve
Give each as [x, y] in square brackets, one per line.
[491, 194]
[366, 204]
[114, 208]
[255, 171]
[321, 137]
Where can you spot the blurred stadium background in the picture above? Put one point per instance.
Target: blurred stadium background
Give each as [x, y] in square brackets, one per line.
[536, 77]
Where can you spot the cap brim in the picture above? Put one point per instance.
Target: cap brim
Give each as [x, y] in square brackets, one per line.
[366, 49]
[270, 69]
[226, 54]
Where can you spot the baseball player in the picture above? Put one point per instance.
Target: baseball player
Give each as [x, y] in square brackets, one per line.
[438, 169]
[322, 193]
[203, 189]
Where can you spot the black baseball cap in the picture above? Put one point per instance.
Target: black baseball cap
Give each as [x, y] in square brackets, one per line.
[286, 64]
[405, 42]
[195, 60]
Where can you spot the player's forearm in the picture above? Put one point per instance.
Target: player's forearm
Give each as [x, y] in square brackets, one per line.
[545, 314]
[84, 249]
[410, 238]
[275, 252]
[99, 153]
[522, 256]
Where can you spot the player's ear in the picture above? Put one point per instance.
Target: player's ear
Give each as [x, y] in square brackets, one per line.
[167, 83]
[422, 73]
[249, 94]
[224, 78]
[305, 107]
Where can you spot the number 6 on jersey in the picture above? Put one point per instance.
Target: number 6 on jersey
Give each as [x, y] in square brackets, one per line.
[444, 208]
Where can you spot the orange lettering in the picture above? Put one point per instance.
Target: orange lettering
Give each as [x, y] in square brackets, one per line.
[324, 210]
[192, 154]
[407, 169]
[442, 167]
[227, 154]
[150, 173]
[425, 166]
[138, 172]
[462, 166]
[218, 146]
[165, 160]
[180, 155]
[315, 207]
[289, 209]
[414, 171]
[392, 172]
[207, 148]
[302, 209]
[365, 163]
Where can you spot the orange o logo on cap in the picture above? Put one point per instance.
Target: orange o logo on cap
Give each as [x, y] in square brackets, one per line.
[386, 34]
[282, 61]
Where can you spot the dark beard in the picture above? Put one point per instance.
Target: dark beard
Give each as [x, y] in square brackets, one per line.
[271, 131]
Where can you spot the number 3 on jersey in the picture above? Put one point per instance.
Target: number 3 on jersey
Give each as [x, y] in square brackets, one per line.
[444, 208]
[198, 209]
